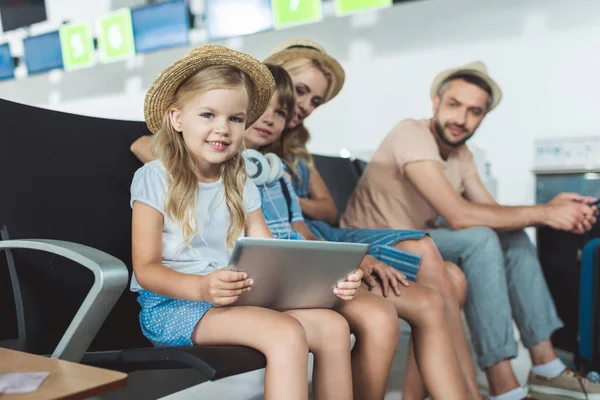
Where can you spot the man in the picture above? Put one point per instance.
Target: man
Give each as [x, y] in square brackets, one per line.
[423, 171]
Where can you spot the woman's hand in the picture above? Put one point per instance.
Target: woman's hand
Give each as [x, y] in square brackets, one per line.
[388, 276]
[348, 289]
[223, 287]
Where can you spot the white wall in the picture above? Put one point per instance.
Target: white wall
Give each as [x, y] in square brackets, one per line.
[544, 53]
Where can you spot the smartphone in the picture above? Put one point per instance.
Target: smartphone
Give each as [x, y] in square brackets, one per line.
[595, 203]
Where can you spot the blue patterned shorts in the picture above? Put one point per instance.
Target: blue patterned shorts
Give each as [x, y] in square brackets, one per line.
[169, 322]
[382, 243]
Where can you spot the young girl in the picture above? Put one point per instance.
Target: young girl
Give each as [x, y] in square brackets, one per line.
[189, 208]
[317, 78]
[419, 305]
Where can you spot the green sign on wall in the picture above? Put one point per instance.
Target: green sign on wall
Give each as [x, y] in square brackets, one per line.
[115, 36]
[77, 46]
[295, 12]
[349, 6]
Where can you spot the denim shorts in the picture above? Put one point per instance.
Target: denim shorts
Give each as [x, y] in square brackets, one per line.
[169, 322]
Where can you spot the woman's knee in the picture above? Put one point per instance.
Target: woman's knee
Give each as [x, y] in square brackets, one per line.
[430, 307]
[433, 271]
[431, 260]
[424, 247]
[459, 280]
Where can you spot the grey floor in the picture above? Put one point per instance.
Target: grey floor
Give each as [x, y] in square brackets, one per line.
[249, 386]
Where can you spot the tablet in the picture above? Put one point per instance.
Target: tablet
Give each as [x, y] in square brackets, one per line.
[294, 274]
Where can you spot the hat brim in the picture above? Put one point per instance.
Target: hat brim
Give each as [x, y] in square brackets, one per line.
[330, 63]
[442, 76]
[164, 87]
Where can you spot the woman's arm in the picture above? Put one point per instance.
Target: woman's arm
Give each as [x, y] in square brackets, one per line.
[320, 205]
[151, 274]
[142, 149]
[302, 229]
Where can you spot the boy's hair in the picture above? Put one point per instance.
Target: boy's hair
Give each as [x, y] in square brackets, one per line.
[291, 146]
[284, 88]
[170, 148]
[294, 139]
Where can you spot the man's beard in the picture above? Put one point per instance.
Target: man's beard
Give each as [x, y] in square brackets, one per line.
[437, 126]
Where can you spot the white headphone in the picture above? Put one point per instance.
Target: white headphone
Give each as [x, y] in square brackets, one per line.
[263, 169]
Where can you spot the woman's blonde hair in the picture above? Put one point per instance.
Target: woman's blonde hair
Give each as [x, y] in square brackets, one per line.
[295, 65]
[291, 146]
[169, 146]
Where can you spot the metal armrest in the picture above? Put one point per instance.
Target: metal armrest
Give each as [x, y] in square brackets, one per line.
[110, 279]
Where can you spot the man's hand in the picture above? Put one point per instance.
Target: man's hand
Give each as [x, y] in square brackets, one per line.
[388, 276]
[571, 212]
[575, 197]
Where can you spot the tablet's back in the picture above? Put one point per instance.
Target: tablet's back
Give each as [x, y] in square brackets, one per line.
[294, 274]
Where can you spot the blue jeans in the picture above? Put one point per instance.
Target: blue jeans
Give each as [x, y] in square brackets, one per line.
[505, 281]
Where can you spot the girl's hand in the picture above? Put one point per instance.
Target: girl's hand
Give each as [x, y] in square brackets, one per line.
[348, 289]
[223, 287]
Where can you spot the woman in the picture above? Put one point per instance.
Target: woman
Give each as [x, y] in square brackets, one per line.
[317, 79]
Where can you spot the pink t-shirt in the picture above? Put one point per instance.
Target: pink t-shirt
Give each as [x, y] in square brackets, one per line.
[385, 198]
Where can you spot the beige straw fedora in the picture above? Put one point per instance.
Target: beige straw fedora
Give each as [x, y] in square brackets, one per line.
[306, 48]
[168, 81]
[476, 68]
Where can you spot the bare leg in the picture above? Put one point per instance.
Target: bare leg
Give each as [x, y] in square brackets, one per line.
[542, 353]
[459, 281]
[280, 337]
[433, 273]
[328, 336]
[374, 322]
[501, 376]
[423, 308]
[414, 387]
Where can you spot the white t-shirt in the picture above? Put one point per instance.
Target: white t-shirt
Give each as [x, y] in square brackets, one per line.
[207, 251]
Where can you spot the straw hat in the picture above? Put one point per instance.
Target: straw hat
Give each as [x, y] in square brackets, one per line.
[163, 88]
[306, 48]
[476, 68]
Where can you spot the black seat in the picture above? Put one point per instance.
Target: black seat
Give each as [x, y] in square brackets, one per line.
[360, 165]
[67, 177]
[340, 175]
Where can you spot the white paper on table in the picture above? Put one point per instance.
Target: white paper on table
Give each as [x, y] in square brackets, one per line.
[21, 382]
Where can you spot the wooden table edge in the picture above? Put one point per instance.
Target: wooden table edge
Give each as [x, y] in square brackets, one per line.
[97, 390]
